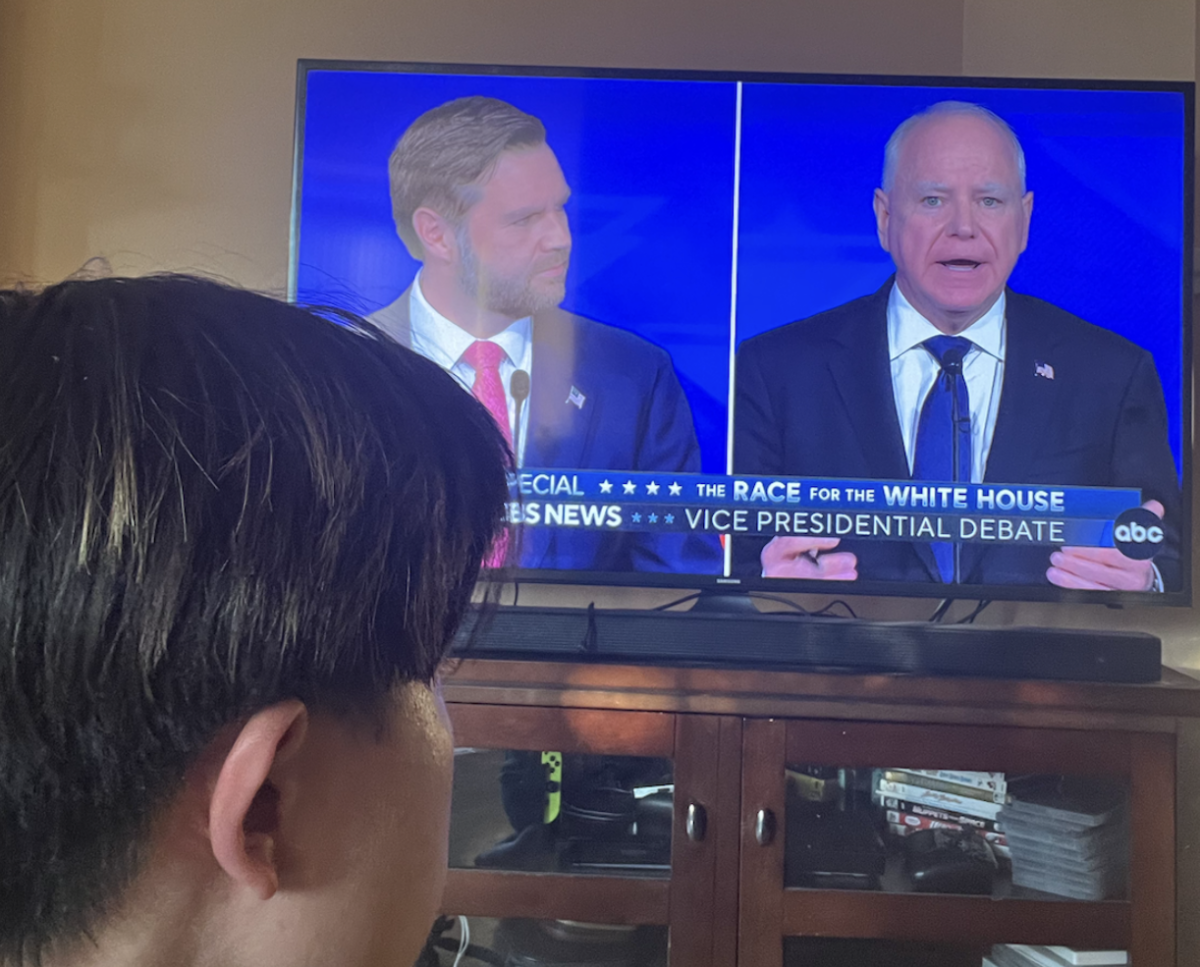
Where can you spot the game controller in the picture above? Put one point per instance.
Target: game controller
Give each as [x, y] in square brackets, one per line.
[552, 765]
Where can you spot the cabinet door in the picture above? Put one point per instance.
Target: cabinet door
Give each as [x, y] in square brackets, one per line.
[591, 836]
[863, 843]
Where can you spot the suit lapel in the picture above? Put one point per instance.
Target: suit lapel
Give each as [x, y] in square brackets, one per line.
[395, 320]
[1026, 399]
[862, 373]
[862, 376]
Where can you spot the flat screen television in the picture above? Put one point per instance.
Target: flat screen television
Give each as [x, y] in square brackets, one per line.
[734, 352]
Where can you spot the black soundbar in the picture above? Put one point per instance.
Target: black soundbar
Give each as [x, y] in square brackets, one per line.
[795, 641]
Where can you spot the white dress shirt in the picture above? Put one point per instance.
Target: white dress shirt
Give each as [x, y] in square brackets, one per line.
[914, 370]
[437, 338]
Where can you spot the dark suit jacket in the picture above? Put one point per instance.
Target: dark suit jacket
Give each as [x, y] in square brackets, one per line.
[634, 416]
[814, 398]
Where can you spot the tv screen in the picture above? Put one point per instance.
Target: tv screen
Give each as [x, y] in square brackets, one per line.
[914, 336]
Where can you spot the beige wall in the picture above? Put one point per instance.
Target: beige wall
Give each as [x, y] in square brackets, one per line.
[161, 134]
[1146, 39]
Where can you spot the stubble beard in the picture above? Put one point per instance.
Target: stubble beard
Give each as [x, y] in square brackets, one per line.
[515, 296]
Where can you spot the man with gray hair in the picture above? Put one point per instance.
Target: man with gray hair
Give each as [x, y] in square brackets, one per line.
[479, 199]
[1037, 395]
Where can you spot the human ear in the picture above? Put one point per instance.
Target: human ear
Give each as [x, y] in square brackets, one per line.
[1027, 209]
[882, 216]
[435, 234]
[244, 808]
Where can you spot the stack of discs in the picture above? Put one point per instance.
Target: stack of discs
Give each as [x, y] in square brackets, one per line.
[1068, 836]
[1021, 955]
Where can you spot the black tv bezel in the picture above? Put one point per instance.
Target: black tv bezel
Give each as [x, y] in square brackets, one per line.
[660, 580]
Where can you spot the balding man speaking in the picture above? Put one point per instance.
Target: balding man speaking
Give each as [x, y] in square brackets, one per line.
[861, 391]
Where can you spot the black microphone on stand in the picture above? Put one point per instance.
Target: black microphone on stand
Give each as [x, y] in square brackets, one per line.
[518, 385]
[952, 366]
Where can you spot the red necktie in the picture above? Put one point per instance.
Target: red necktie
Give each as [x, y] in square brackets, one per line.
[485, 357]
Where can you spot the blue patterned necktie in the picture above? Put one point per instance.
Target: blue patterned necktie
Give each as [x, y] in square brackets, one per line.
[934, 459]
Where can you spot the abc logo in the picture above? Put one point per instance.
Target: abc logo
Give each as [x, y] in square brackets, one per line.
[1138, 534]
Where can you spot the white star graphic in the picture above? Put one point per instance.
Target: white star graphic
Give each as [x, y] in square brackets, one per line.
[605, 487]
[629, 487]
[637, 518]
[675, 489]
[669, 518]
[654, 518]
[652, 488]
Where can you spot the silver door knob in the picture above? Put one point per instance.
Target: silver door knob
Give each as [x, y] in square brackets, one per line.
[764, 827]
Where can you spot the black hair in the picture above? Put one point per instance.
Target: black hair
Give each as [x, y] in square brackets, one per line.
[210, 501]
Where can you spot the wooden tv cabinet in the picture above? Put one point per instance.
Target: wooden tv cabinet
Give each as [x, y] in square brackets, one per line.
[729, 734]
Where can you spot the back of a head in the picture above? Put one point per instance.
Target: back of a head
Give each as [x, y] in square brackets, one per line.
[209, 501]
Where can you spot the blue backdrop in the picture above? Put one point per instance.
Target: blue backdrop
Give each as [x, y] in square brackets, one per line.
[651, 167]
[1106, 169]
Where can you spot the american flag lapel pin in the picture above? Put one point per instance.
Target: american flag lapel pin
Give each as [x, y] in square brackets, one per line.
[1044, 370]
[576, 398]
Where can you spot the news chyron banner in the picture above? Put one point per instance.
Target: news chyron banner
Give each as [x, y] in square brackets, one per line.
[883, 510]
